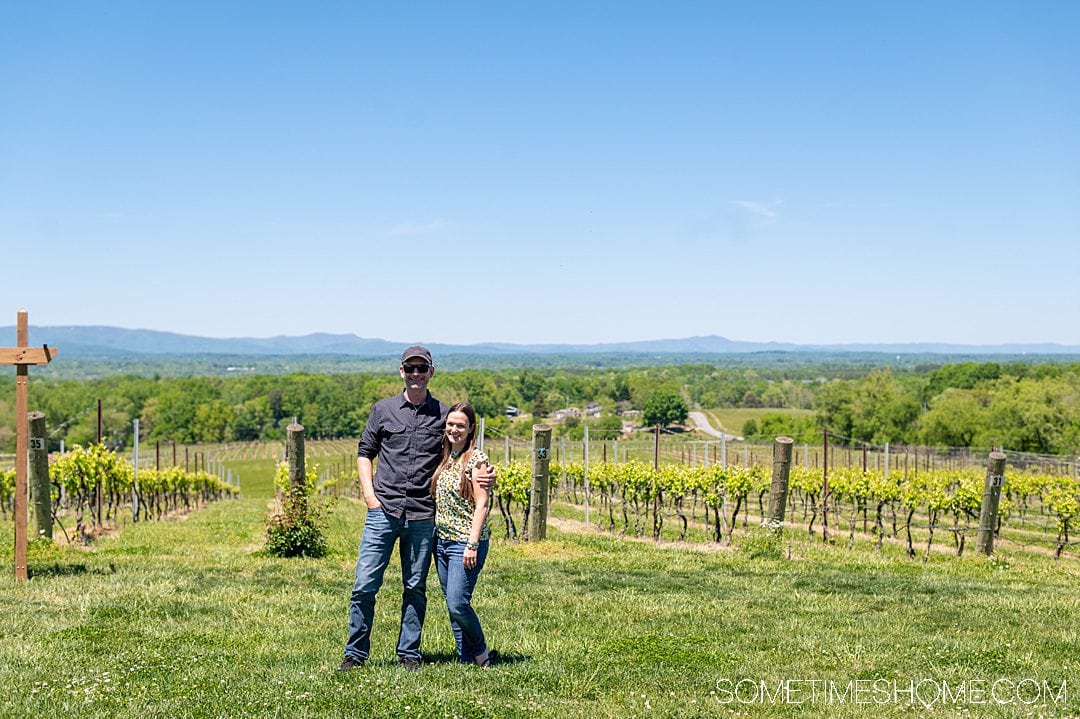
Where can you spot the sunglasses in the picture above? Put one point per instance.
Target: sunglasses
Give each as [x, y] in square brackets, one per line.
[410, 368]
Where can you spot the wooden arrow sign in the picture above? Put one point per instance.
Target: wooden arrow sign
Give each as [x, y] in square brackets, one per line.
[26, 355]
[22, 356]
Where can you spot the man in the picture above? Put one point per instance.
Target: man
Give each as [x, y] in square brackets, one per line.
[405, 432]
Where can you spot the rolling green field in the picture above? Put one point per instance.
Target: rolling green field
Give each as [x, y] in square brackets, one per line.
[732, 419]
[189, 618]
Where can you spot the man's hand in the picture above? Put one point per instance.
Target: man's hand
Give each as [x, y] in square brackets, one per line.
[484, 475]
[363, 470]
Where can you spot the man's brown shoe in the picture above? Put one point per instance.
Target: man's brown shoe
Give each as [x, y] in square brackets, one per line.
[350, 663]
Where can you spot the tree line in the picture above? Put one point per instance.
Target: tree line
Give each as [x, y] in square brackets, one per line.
[1021, 406]
[1028, 408]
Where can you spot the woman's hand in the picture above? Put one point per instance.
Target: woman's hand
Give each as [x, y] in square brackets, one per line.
[469, 558]
[484, 475]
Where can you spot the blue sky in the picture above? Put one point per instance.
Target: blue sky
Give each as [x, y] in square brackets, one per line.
[545, 172]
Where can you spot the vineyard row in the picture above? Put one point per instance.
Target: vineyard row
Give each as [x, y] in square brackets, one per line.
[95, 484]
[629, 498]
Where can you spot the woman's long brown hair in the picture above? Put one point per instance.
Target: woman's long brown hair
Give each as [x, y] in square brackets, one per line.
[465, 488]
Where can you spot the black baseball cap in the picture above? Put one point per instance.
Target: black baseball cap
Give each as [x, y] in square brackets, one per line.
[417, 351]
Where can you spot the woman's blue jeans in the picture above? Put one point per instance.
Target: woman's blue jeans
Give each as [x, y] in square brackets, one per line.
[377, 543]
[458, 584]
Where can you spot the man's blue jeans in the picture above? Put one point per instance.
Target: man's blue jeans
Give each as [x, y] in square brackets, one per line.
[377, 543]
[458, 584]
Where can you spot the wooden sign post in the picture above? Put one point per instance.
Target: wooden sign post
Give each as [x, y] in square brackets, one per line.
[22, 356]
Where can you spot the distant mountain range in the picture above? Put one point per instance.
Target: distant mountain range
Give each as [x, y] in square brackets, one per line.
[102, 342]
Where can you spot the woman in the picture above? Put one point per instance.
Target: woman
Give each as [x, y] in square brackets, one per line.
[461, 530]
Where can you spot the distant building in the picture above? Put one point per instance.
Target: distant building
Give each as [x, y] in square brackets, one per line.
[561, 414]
[512, 411]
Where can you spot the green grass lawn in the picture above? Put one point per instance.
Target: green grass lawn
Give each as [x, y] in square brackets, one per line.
[188, 618]
[256, 477]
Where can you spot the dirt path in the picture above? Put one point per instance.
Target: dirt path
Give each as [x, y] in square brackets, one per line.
[702, 423]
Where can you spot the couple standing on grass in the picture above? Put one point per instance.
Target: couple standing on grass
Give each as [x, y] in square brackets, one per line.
[430, 494]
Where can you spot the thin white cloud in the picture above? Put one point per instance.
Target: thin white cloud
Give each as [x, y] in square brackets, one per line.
[411, 229]
[763, 211]
[850, 205]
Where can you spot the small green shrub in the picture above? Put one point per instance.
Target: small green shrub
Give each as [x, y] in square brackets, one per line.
[297, 530]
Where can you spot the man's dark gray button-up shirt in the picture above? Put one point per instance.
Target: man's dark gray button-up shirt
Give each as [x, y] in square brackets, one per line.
[407, 439]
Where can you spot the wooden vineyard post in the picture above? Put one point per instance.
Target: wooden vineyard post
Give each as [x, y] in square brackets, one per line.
[97, 487]
[585, 475]
[40, 489]
[294, 451]
[538, 497]
[657, 515]
[562, 469]
[135, 509]
[995, 478]
[825, 487]
[781, 472]
[21, 357]
[656, 448]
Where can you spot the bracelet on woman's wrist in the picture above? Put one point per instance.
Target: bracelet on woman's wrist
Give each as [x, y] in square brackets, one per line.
[472, 545]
